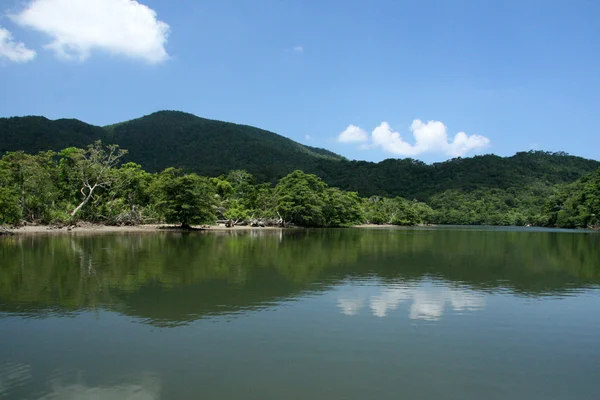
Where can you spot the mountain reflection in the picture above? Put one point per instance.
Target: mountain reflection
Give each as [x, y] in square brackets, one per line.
[427, 301]
[168, 279]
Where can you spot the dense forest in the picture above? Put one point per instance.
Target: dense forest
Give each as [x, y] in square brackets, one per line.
[213, 148]
[98, 185]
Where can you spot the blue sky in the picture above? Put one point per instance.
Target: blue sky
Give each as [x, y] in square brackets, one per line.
[368, 80]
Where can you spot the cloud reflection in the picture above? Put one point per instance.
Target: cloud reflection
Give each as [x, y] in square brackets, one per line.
[16, 376]
[350, 306]
[388, 300]
[148, 388]
[428, 301]
[428, 305]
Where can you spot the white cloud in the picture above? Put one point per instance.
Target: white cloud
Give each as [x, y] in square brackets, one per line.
[307, 137]
[383, 136]
[298, 49]
[14, 51]
[123, 27]
[430, 137]
[353, 134]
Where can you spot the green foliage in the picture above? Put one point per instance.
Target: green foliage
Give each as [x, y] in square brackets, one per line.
[9, 211]
[90, 170]
[236, 212]
[88, 183]
[266, 201]
[342, 208]
[213, 148]
[302, 199]
[184, 199]
[35, 134]
[576, 205]
[129, 198]
[28, 183]
[305, 200]
[484, 207]
[397, 211]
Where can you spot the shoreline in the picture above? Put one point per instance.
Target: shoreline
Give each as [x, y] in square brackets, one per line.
[93, 228]
[153, 228]
[99, 228]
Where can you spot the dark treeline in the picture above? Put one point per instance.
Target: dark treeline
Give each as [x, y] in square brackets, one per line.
[212, 148]
[94, 185]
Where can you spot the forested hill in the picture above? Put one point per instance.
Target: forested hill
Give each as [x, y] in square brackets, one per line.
[171, 139]
[208, 147]
[414, 179]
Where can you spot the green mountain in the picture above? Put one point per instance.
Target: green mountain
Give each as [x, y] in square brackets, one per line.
[34, 134]
[208, 147]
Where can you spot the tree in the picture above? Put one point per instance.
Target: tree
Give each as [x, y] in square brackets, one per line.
[32, 178]
[93, 167]
[576, 205]
[301, 199]
[184, 199]
[342, 208]
[9, 211]
[236, 194]
[129, 196]
[266, 202]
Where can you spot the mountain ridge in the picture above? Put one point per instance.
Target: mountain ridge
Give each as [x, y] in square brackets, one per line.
[211, 147]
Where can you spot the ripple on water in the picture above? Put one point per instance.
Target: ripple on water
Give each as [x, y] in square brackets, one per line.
[12, 376]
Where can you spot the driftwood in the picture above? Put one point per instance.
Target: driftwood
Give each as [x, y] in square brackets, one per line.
[253, 222]
[4, 231]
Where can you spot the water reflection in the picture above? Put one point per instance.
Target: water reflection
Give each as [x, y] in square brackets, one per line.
[306, 314]
[16, 382]
[169, 279]
[12, 376]
[428, 299]
[146, 387]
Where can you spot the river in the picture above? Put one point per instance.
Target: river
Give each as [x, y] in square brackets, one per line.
[430, 313]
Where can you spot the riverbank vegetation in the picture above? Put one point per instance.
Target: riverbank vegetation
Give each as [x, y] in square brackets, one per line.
[94, 185]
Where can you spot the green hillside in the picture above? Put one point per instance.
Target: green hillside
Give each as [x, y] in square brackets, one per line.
[414, 179]
[34, 134]
[211, 148]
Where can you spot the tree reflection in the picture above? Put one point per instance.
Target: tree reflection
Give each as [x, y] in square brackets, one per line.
[168, 279]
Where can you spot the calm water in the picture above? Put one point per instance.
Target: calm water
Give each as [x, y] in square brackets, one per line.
[323, 314]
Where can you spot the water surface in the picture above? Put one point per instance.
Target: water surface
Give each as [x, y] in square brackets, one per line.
[309, 314]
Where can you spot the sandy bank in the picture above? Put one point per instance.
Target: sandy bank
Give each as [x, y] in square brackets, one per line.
[91, 228]
[393, 226]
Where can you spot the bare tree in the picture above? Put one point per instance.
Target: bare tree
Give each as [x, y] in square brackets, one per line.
[94, 167]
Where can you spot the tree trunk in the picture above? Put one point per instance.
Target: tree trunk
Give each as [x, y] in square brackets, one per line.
[83, 203]
[22, 200]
